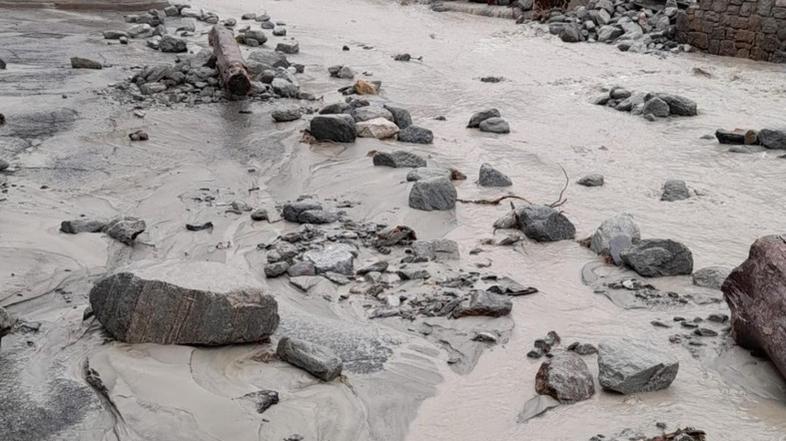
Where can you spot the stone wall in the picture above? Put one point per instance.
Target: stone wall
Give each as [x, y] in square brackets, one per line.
[739, 28]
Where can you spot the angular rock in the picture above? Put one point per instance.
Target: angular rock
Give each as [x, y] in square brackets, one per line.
[82, 225]
[337, 128]
[398, 159]
[619, 225]
[401, 117]
[275, 269]
[84, 63]
[711, 277]
[317, 217]
[658, 258]
[279, 31]
[317, 360]
[491, 177]
[656, 107]
[479, 117]
[484, 303]
[428, 173]
[125, 229]
[269, 59]
[288, 47]
[437, 249]
[367, 113]
[395, 235]
[114, 35]
[172, 44]
[495, 125]
[416, 135]
[284, 88]
[263, 399]
[756, 294]
[675, 190]
[679, 105]
[609, 33]
[565, 377]
[544, 224]
[301, 269]
[336, 258]
[628, 367]
[257, 35]
[508, 287]
[591, 180]
[286, 115]
[378, 128]
[571, 33]
[205, 303]
[291, 211]
[773, 139]
[433, 194]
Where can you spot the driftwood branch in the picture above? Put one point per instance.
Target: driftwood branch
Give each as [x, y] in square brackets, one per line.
[229, 61]
[496, 201]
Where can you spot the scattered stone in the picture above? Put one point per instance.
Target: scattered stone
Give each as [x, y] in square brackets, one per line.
[125, 229]
[705, 332]
[591, 180]
[305, 283]
[620, 227]
[398, 159]
[337, 258]
[491, 177]
[428, 173]
[379, 128]
[276, 269]
[280, 31]
[483, 303]
[433, 194]
[679, 105]
[571, 33]
[139, 135]
[737, 136]
[172, 44]
[436, 249]
[259, 214]
[544, 224]
[378, 267]
[363, 87]
[77, 226]
[316, 360]
[200, 227]
[711, 277]
[340, 71]
[773, 139]
[7, 322]
[583, 348]
[288, 47]
[367, 113]
[2, 64]
[286, 115]
[413, 274]
[479, 117]
[395, 235]
[509, 287]
[628, 367]
[658, 258]
[416, 135]
[3, 163]
[114, 35]
[337, 128]
[675, 190]
[495, 125]
[301, 269]
[656, 107]
[402, 57]
[84, 63]
[263, 399]
[206, 303]
[565, 377]
[401, 117]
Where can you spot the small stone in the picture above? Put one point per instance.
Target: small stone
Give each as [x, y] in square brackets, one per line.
[259, 214]
[773, 139]
[711, 277]
[401, 117]
[172, 44]
[288, 47]
[495, 125]
[286, 115]
[491, 177]
[139, 135]
[591, 180]
[125, 229]
[479, 117]
[398, 159]
[656, 107]
[675, 190]
[279, 31]
[337, 128]
[628, 367]
[84, 63]
[705, 332]
[263, 399]
[77, 226]
[483, 303]
[658, 258]
[416, 135]
[378, 128]
[276, 269]
[544, 224]
[301, 269]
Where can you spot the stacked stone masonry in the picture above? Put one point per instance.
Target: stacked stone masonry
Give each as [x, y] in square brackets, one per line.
[739, 28]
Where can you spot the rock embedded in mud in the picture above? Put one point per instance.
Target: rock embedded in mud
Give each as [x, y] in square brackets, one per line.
[401, 117]
[269, 59]
[483, 303]
[7, 322]
[301, 269]
[378, 128]
[679, 105]
[621, 225]
[628, 367]
[317, 217]
[337, 128]
[316, 360]
[286, 115]
[172, 44]
[85, 63]
[565, 377]
[508, 287]
[479, 117]
[416, 135]
[427, 173]
[711, 277]
[114, 35]
[206, 303]
[125, 229]
[436, 249]
[656, 107]
[544, 224]
[675, 190]
[433, 194]
[756, 294]
[336, 258]
[737, 137]
[491, 177]
[363, 87]
[495, 125]
[263, 399]
[341, 71]
[77, 226]
[398, 159]
[139, 135]
[288, 47]
[773, 139]
[395, 235]
[591, 180]
[658, 258]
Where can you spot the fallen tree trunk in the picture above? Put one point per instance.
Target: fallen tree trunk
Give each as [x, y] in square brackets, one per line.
[229, 61]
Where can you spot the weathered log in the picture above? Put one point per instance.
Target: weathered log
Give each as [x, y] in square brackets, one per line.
[229, 61]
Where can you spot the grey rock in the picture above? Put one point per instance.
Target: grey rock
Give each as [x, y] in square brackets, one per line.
[495, 125]
[267, 25]
[2, 64]
[288, 47]
[276, 269]
[301, 269]
[711, 276]
[206, 303]
[305, 283]
[398, 159]
[259, 214]
[339, 71]
[257, 35]
[609, 33]
[317, 217]
[169, 43]
[773, 139]
[628, 367]
[491, 177]
[508, 287]
[319, 361]
[433, 194]
[571, 33]
[565, 377]
[84, 63]
[619, 225]
[286, 115]
[395, 235]
[281, 251]
[679, 105]
[335, 108]
[413, 274]
[525, 5]
[3, 163]
[125, 229]
[436, 249]
[675, 190]
[428, 173]
[737, 136]
[591, 180]
[658, 257]
[416, 135]
[280, 31]
[377, 267]
[544, 224]
[269, 59]
[484, 303]
[367, 113]
[401, 117]
[284, 88]
[114, 35]
[656, 107]
[481, 116]
[82, 225]
[291, 211]
[537, 405]
[263, 399]
[336, 258]
[7, 322]
[337, 128]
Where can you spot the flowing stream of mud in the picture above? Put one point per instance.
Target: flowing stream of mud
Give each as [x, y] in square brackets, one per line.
[399, 385]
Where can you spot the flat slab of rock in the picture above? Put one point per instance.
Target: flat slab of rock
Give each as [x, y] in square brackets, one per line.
[483, 303]
[565, 377]
[756, 294]
[204, 303]
[336, 128]
[544, 224]
[317, 360]
[508, 287]
[398, 159]
[336, 258]
[433, 194]
[628, 367]
[658, 258]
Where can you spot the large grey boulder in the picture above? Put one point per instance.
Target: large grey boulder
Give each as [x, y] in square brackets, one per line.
[203, 303]
[565, 377]
[416, 135]
[398, 159]
[433, 194]
[544, 224]
[675, 190]
[481, 116]
[337, 128]
[319, 361]
[711, 277]
[756, 294]
[495, 125]
[628, 367]
[773, 139]
[491, 177]
[679, 105]
[484, 303]
[336, 258]
[619, 225]
[658, 257]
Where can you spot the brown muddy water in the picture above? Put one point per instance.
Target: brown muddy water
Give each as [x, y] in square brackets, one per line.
[398, 384]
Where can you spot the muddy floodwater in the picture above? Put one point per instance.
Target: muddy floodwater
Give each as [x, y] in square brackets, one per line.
[398, 383]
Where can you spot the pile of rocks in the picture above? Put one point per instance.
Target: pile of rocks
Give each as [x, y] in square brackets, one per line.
[122, 229]
[489, 121]
[649, 105]
[768, 138]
